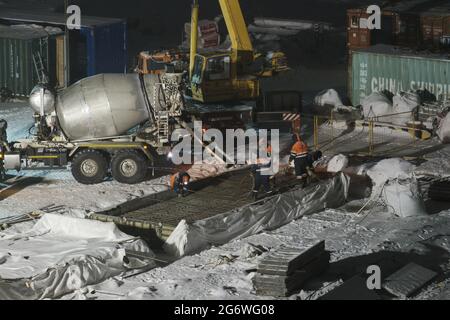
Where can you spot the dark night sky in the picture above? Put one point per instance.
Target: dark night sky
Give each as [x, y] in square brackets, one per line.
[155, 24]
[165, 18]
[171, 14]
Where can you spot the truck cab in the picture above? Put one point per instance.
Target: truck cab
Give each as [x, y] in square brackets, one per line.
[215, 78]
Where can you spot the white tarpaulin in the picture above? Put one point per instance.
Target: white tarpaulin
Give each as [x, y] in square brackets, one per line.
[60, 254]
[331, 98]
[403, 198]
[444, 129]
[376, 105]
[249, 220]
[337, 163]
[395, 185]
[404, 104]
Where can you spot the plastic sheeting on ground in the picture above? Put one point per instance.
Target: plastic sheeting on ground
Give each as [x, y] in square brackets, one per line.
[249, 220]
[443, 131]
[61, 254]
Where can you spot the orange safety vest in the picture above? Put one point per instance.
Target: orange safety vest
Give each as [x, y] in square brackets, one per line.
[174, 178]
[299, 149]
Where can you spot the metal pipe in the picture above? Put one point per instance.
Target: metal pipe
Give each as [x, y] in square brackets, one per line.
[194, 36]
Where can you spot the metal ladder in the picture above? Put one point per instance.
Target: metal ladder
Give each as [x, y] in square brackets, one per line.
[163, 126]
[39, 67]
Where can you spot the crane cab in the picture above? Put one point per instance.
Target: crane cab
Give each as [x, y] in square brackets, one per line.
[215, 78]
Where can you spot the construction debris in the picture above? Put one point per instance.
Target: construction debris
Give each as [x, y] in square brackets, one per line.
[408, 280]
[287, 269]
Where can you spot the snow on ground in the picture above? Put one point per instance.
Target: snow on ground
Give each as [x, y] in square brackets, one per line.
[19, 117]
[226, 272]
[74, 196]
[59, 254]
[43, 188]
[355, 242]
[432, 156]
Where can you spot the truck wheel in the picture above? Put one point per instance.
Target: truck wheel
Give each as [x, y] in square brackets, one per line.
[129, 167]
[89, 167]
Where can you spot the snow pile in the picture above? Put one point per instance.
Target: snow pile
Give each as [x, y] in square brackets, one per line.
[249, 220]
[337, 163]
[331, 98]
[443, 131]
[394, 183]
[399, 111]
[59, 254]
[376, 105]
[404, 104]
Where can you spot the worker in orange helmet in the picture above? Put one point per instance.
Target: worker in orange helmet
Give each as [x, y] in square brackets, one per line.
[179, 183]
[299, 154]
[261, 171]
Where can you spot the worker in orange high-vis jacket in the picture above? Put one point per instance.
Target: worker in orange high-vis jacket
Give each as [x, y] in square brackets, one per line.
[299, 154]
[179, 182]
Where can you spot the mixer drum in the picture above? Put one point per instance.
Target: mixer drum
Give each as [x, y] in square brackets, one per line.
[101, 106]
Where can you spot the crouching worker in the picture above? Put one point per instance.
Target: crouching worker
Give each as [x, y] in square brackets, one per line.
[262, 173]
[179, 182]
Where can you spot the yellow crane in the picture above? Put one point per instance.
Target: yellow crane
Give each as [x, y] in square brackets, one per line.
[219, 76]
[233, 74]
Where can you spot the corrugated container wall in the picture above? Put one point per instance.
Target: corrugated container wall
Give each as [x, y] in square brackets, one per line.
[107, 51]
[382, 68]
[17, 71]
[436, 31]
[98, 49]
[396, 29]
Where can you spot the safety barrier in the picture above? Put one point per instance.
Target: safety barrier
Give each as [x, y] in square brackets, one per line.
[377, 136]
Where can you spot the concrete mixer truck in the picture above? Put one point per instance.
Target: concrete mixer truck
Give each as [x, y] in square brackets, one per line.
[118, 123]
[110, 124]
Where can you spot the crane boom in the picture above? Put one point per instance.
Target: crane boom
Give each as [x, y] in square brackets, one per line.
[237, 28]
[194, 36]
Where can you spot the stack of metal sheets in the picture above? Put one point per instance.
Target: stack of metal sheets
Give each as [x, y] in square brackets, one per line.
[284, 271]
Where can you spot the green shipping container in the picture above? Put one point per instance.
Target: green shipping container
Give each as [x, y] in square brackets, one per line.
[388, 68]
[18, 45]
